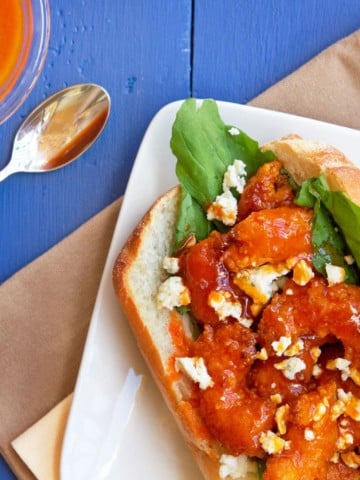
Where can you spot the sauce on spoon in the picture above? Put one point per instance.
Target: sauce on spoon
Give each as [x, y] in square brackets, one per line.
[59, 130]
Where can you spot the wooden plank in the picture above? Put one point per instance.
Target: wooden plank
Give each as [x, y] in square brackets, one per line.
[243, 47]
[140, 52]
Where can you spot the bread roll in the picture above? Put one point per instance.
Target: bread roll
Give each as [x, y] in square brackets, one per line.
[307, 159]
[138, 273]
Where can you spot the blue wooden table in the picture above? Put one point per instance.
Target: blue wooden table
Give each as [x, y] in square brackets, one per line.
[147, 53]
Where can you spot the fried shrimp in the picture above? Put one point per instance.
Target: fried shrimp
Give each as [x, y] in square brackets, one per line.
[286, 374]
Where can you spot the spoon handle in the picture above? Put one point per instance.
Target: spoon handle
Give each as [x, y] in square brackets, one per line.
[7, 171]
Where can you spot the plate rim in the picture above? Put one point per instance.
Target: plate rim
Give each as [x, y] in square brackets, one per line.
[114, 248]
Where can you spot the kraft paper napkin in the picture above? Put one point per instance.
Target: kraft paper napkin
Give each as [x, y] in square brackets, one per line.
[46, 307]
[37, 445]
[44, 315]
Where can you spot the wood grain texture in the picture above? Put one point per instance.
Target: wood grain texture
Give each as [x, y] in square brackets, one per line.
[242, 47]
[140, 52]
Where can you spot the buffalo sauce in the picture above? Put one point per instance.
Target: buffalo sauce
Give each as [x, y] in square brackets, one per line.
[15, 40]
[203, 271]
[76, 145]
[286, 381]
[269, 188]
[180, 342]
[270, 236]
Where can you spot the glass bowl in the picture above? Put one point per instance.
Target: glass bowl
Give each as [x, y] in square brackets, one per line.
[26, 51]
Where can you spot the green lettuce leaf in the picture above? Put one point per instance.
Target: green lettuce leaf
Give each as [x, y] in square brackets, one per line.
[306, 197]
[329, 241]
[204, 148]
[345, 213]
[191, 220]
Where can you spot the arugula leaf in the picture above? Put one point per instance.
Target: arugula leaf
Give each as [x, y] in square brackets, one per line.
[243, 147]
[191, 220]
[329, 244]
[305, 196]
[345, 213]
[328, 241]
[205, 147]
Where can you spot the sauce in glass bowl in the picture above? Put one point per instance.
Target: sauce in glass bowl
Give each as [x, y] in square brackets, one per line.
[24, 37]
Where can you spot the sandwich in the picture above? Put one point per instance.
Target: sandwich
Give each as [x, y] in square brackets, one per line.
[241, 285]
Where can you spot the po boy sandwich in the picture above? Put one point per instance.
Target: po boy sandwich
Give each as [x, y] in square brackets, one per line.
[242, 288]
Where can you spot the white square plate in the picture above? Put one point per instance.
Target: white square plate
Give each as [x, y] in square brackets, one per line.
[119, 427]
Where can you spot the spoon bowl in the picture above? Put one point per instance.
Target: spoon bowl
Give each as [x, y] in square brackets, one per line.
[59, 130]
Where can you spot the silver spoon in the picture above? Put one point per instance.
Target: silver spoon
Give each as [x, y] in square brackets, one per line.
[59, 130]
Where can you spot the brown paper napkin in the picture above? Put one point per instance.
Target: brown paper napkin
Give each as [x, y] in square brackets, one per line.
[44, 315]
[40, 445]
[46, 307]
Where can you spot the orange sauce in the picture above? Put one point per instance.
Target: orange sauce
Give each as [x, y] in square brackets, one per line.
[241, 409]
[15, 40]
[180, 342]
[74, 147]
[179, 339]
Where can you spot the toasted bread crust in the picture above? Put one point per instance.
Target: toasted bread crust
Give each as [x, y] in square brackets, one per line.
[307, 159]
[128, 278]
[130, 262]
[138, 273]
